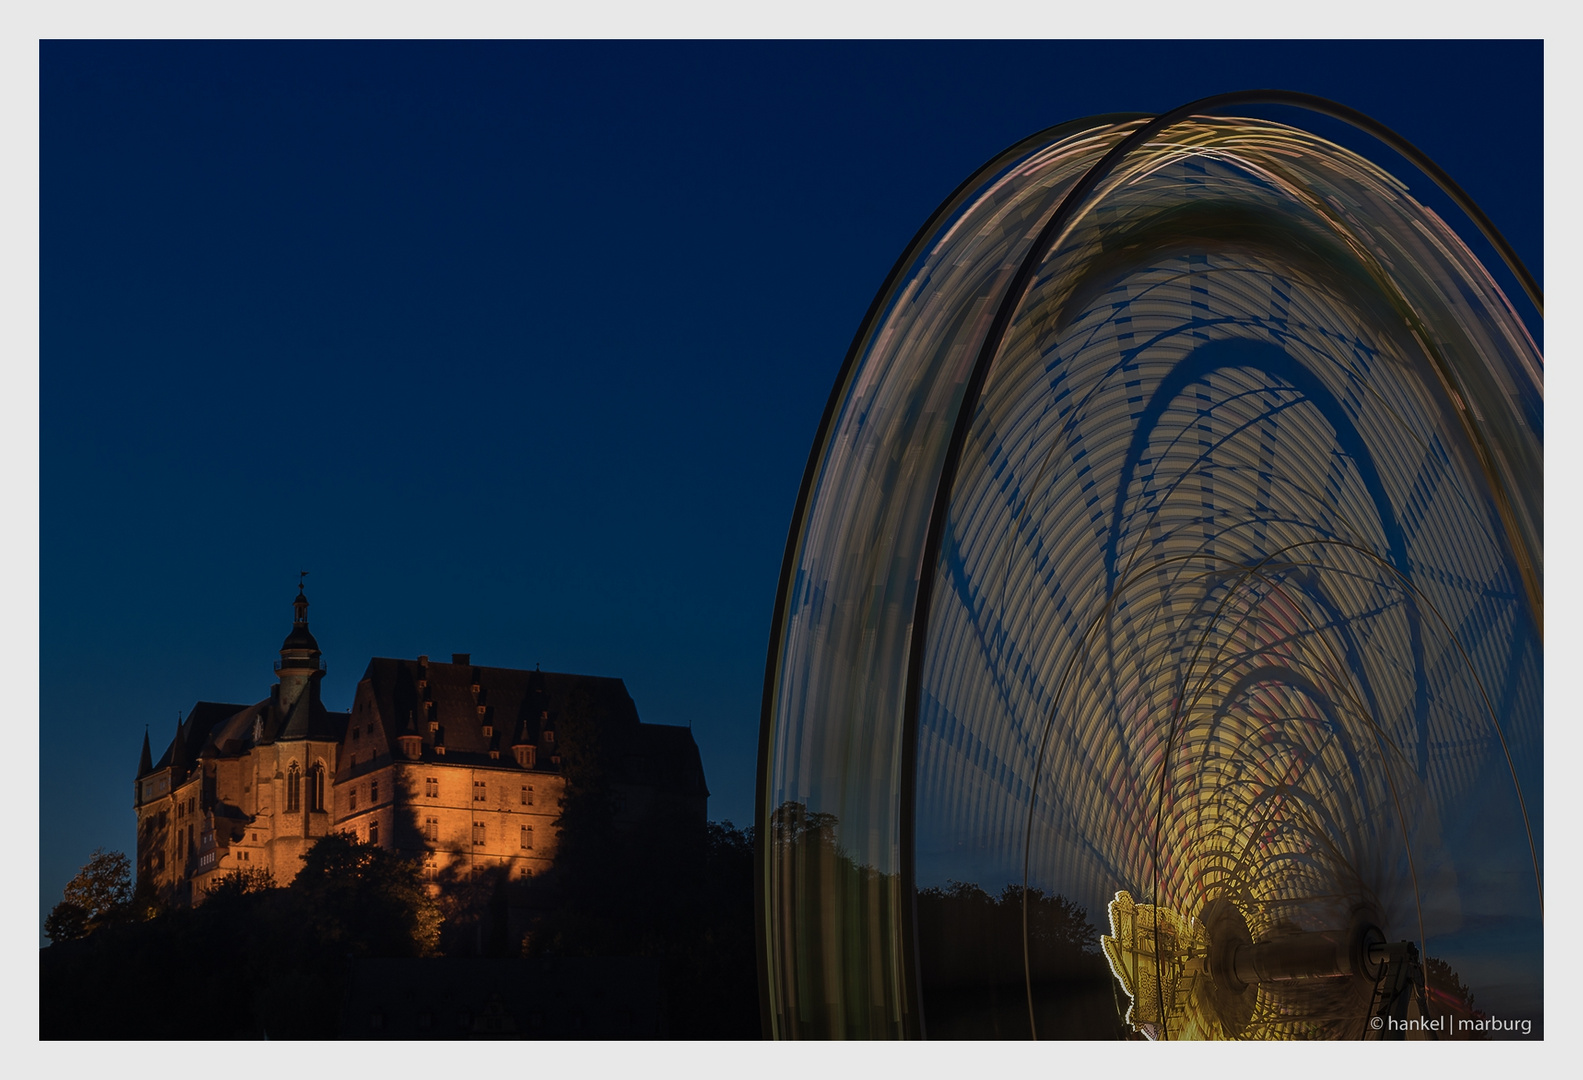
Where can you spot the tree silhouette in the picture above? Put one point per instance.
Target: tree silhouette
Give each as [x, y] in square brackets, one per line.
[1450, 997]
[100, 894]
[367, 900]
[66, 922]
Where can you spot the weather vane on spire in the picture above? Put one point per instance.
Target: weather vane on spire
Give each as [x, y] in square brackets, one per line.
[302, 576]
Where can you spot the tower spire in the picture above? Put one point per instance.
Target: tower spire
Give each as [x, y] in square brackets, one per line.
[178, 755]
[300, 670]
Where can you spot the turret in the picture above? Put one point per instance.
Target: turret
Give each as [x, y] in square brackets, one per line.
[145, 765]
[524, 744]
[300, 667]
[411, 739]
[178, 758]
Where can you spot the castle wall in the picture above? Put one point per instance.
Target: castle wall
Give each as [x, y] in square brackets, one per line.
[273, 778]
[459, 818]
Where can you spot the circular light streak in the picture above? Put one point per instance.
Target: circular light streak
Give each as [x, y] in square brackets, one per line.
[1174, 528]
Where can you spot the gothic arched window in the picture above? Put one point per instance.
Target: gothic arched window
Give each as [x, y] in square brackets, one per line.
[316, 786]
[293, 789]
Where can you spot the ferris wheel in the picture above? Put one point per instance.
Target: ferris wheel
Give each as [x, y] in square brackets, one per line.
[1170, 552]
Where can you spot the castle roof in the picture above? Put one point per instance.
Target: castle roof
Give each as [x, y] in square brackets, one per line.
[307, 719]
[192, 734]
[299, 640]
[473, 711]
[662, 755]
[519, 707]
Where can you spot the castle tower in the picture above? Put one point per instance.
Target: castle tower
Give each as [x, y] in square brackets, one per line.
[300, 670]
[299, 757]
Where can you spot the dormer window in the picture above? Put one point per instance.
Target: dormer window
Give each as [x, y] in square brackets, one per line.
[489, 730]
[525, 756]
[549, 737]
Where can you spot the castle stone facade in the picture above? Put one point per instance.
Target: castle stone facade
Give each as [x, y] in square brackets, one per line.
[453, 764]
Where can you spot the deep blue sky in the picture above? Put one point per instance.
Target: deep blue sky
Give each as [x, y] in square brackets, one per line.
[520, 348]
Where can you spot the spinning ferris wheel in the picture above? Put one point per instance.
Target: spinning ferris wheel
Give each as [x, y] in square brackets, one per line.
[1172, 545]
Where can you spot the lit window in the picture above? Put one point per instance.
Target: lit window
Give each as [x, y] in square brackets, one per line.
[527, 838]
[479, 791]
[431, 787]
[431, 828]
[527, 795]
[478, 834]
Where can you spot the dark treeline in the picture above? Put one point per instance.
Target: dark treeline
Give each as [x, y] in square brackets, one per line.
[975, 980]
[657, 885]
[256, 961]
[822, 889]
[977, 964]
[252, 961]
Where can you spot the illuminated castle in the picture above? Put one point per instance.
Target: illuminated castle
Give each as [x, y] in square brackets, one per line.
[452, 763]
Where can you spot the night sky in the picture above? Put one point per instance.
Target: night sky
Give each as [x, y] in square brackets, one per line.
[519, 348]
